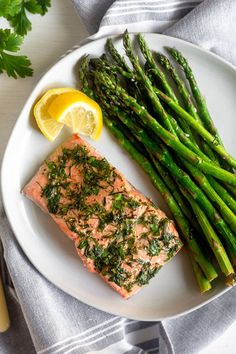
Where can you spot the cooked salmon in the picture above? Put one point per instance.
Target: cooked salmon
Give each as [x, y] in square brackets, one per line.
[118, 232]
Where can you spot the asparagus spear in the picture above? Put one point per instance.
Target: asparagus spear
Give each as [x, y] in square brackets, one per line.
[116, 55]
[158, 108]
[156, 71]
[231, 190]
[172, 185]
[188, 103]
[203, 282]
[83, 71]
[131, 84]
[223, 193]
[201, 103]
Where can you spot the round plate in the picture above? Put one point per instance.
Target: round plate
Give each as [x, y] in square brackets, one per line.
[173, 291]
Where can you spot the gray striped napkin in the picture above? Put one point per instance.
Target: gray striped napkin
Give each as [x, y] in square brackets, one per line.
[46, 320]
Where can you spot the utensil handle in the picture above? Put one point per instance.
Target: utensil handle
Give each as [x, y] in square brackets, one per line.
[4, 316]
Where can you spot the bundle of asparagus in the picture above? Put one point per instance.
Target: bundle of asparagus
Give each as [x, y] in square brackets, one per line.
[169, 132]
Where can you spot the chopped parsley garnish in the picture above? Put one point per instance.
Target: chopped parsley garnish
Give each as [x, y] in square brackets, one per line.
[154, 247]
[146, 274]
[121, 201]
[115, 217]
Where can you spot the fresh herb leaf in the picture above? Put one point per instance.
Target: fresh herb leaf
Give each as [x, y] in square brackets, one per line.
[118, 275]
[53, 203]
[38, 6]
[18, 16]
[20, 21]
[13, 65]
[16, 65]
[118, 202]
[12, 41]
[53, 197]
[172, 251]
[15, 11]
[83, 244]
[154, 247]
[9, 7]
[166, 238]
[146, 274]
[154, 228]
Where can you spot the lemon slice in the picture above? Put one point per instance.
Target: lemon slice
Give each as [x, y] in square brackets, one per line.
[48, 126]
[78, 111]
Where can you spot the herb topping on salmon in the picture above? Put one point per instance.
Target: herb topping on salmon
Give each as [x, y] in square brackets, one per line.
[118, 232]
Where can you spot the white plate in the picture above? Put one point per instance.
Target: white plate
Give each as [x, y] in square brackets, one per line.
[173, 291]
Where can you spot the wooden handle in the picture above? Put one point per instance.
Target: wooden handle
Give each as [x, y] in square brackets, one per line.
[4, 316]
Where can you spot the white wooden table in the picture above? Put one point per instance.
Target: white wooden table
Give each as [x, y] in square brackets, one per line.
[53, 35]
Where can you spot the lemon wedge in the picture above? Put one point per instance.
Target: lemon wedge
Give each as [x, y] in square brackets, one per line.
[78, 111]
[48, 126]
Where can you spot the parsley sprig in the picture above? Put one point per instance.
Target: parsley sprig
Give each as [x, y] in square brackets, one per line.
[16, 11]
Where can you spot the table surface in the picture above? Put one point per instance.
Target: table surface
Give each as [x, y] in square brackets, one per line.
[62, 29]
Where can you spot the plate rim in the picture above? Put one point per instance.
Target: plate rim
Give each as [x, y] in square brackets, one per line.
[4, 162]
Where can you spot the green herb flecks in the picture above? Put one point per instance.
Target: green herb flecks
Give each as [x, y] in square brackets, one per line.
[121, 201]
[52, 194]
[154, 247]
[146, 274]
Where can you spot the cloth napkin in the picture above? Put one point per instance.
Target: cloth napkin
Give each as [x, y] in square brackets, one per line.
[45, 319]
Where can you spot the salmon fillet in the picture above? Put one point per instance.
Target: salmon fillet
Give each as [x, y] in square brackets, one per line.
[118, 232]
